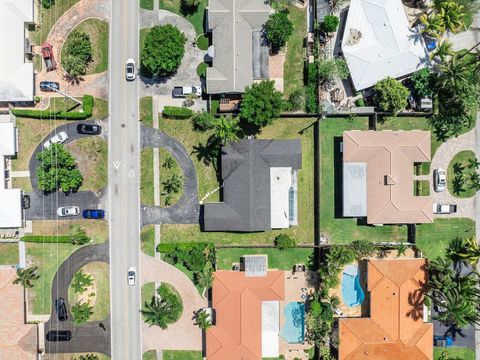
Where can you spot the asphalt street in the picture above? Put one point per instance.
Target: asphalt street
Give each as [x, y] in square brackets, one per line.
[123, 182]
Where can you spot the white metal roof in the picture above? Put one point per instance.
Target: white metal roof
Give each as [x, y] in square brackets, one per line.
[16, 76]
[280, 183]
[10, 208]
[270, 329]
[8, 139]
[354, 189]
[378, 43]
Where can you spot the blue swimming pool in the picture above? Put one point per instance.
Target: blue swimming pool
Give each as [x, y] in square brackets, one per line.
[352, 292]
[294, 329]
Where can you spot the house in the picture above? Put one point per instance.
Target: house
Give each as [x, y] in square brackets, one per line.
[378, 42]
[378, 176]
[16, 75]
[259, 186]
[11, 215]
[246, 314]
[240, 53]
[396, 328]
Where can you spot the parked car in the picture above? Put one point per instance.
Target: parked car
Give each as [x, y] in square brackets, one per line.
[130, 70]
[183, 91]
[439, 179]
[48, 57]
[61, 309]
[131, 274]
[89, 129]
[59, 335]
[93, 214]
[59, 138]
[26, 201]
[49, 86]
[68, 211]
[444, 208]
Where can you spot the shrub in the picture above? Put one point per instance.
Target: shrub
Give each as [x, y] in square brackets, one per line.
[175, 112]
[47, 239]
[47, 4]
[81, 281]
[284, 241]
[360, 102]
[390, 95]
[203, 121]
[423, 83]
[296, 100]
[202, 69]
[81, 312]
[87, 103]
[330, 23]
[165, 307]
[278, 29]
[202, 42]
[78, 53]
[311, 102]
[80, 238]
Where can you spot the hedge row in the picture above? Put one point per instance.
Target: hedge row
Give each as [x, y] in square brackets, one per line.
[175, 112]
[171, 247]
[87, 103]
[46, 239]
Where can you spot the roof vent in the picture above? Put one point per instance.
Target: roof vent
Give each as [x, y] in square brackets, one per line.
[389, 180]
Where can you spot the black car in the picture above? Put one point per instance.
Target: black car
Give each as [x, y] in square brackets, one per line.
[61, 309]
[59, 335]
[49, 86]
[25, 202]
[89, 129]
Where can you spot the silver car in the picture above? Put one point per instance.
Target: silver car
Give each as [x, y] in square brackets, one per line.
[131, 274]
[130, 70]
[59, 138]
[439, 180]
[68, 211]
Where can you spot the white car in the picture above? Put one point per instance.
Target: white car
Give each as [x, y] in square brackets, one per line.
[68, 211]
[131, 275]
[130, 70]
[439, 180]
[59, 138]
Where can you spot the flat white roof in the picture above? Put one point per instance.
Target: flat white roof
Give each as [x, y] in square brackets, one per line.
[378, 42]
[354, 189]
[270, 329]
[8, 139]
[10, 208]
[280, 183]
[16, 76]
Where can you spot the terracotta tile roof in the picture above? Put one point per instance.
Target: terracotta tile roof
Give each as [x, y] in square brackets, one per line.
[389, 156]
[395, 329]
[237, 301]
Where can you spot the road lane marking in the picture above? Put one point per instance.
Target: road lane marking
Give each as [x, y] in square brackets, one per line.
[116, 164]
[131, 173]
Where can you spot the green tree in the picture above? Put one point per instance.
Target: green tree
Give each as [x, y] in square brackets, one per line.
[423, 83]
[330, 23]
[88, 357]
[466, 250]
[78, 54]
[329, 70]
[163, 50]
[169, 162]
[203, 320]
[390, 95]
[164, 309]
[203, 121]
[74, 66]
[296, 100]
[452, 15]
[443, 51]
[401, 249]
[47, 4]
[284, 241]
[173, 184]
[81, 281]
[225, 129]
[81, 312]
[26, 276]
[278, 29]
[260, 105]
[433, 25]
[453, 73]
[204, 278]
[80, 237]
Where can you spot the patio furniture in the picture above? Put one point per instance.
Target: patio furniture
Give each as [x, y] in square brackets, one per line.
[236, 266]
[299, 268]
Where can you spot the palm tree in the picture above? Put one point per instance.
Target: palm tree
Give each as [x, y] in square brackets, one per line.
[401, 249]
[204, 279]
[203, 320]
[466, 250]
[26, 276]
[452, 15]
[473, 163]
[226, 129]
[74, 66]
[443, 51]
[433, 25]
[165, 308]
[173, 184]
[81, 312]
[453, 72]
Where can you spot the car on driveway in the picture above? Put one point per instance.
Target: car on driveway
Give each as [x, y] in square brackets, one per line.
[89, 129]
[131, 274]
[49, 86]
[25, 201]
[93, 214]
[183, 91]
[439, 180]
[59, 138]
[68, 211]
[130, 70]
[61, 309]
[444, 208]
[59, 335]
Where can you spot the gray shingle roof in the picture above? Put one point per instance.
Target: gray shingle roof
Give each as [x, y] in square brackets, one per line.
[246, 176]
[239, 55]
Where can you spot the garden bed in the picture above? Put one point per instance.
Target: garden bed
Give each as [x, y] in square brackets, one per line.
[459, 174]
[421, 188]
[169, 169]
[146, 177]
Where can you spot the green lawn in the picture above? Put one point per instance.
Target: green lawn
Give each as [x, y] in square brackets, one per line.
[146, 109]
[181, 355]
[165, 174]
[148, 290]
[48, 17]
[421, 188]
[100, 109]
[146, 4]
[333, 226]
[458, 175]
[453, 353]
[146, 177]
[23, 183]
[8, 253]
[277, 259]
[97, 30]
[293, 65]
[195, 16]
[147, 238]
[432, 239]
[281, 129]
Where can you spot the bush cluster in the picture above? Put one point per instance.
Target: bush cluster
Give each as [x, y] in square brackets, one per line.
[311, 90]
[78, 53]
[284, 241]
[87, 102]
[47, 239]
[194, 256]
[175, 112]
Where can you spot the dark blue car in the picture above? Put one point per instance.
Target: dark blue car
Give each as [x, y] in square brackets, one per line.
[93, 214]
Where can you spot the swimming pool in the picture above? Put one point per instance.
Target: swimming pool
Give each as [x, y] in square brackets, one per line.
[352, 292]
[294, 329]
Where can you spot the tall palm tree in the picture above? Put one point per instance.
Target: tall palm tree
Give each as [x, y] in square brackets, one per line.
[164, 308]
[204, 278]
[433, 25]
[453, 72]
[443, 51]
[26, 276]
[203, 320]
[452, 15]
[226, 129]
[466, 250]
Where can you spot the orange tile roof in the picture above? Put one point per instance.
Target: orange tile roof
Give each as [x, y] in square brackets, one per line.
[389, 156]
[395, 329]
[237, 301]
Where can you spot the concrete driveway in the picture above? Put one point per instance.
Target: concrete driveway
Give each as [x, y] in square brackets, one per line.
[89, 337]
[44, 206]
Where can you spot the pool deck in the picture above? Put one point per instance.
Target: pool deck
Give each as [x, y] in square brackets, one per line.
[293, 292]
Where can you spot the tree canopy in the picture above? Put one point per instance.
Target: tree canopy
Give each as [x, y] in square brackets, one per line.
[163, 51]
[278, 29]
[165, 307]
[78, 53]
[260, 105]
[423, 83]
[390, 95]
[330, 23]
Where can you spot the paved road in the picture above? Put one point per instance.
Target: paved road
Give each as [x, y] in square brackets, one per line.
[123, 182]
[90, 337]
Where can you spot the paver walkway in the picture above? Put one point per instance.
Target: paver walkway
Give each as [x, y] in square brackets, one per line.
[97, 84]
[184, 334]
[441, 159]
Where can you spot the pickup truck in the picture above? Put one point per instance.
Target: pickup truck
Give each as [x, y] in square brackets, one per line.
[47, 54]
[183, 91]
[444, 208]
